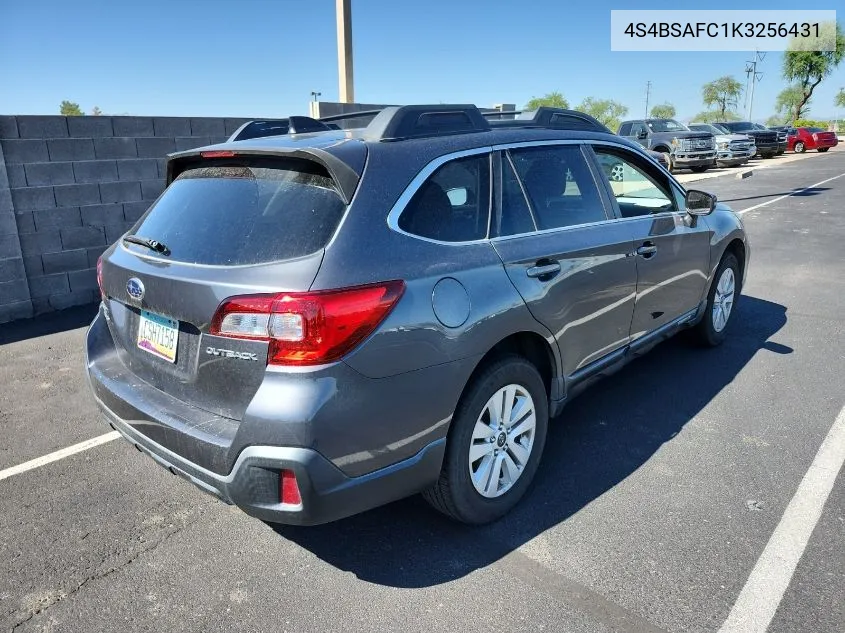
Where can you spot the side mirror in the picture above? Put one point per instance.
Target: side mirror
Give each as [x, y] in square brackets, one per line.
[700, 202]
[642, 134]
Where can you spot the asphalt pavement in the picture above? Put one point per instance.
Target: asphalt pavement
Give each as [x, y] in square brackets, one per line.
[659, 491]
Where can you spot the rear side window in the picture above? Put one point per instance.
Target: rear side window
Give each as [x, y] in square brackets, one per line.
[453, 205]
[235, 215]
[560, 186]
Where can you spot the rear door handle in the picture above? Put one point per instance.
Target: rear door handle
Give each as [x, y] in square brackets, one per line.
[647, 250]
[544, 270]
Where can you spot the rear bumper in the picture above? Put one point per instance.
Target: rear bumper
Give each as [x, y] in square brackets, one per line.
[353, 442]
[327, 494]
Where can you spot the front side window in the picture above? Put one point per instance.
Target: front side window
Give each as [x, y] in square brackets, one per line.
[559, 185]
[453, 205]
[637, 191]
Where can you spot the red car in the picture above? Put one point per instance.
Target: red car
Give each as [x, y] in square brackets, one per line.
[803, 138]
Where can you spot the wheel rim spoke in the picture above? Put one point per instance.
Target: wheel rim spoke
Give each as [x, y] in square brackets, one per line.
[507, 408]
[479, 450]
[492, 485]
[481, 431]
[524, 426]
[519, 452]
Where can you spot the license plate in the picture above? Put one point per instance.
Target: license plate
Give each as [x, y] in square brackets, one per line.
[158, 335]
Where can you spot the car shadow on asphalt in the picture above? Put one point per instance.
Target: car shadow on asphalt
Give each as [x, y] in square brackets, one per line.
[45, 324]
[798, 192]
[602, 437]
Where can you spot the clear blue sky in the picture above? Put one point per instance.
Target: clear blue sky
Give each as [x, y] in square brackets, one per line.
[264, 57]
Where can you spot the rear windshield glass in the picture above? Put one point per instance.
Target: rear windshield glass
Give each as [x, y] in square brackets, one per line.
[234, 215]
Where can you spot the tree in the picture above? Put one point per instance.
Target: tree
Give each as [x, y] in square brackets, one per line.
[839, 99]
[775, 119]
[552, 99]
[807, 69]
[810, 123]
[607, 111]
[722, 95]
[715, 116]
[790, 103]
[96, 111]
[663, 111]
[69, 108]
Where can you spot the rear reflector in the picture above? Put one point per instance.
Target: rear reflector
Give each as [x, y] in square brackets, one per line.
[289, 489]
[218, 153]
[308, 328]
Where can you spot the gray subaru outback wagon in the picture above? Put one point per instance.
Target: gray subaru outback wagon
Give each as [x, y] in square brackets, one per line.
[314, 321]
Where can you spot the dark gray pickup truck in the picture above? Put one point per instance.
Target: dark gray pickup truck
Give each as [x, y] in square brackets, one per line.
[684, 148]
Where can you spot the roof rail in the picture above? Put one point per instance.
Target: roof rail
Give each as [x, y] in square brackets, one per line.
[278, 127]
[547, 117]
[418, 121]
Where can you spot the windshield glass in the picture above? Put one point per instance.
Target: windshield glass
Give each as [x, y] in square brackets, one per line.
[739, 126]
[665, 125]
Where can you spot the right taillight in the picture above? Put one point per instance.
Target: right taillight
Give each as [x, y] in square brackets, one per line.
[815, 136]
[308, 328]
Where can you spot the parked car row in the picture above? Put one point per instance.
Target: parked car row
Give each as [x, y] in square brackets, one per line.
[700, 146]
[800, 139]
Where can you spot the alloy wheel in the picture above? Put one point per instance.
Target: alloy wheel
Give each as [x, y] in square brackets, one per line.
[502, 441]
[723, 299]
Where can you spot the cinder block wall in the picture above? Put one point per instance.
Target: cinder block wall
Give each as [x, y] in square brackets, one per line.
[69, 187]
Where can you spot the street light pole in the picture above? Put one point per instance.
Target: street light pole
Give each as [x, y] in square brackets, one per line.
[344, 50]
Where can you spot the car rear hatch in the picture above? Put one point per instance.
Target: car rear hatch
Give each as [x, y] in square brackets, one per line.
[227, 225]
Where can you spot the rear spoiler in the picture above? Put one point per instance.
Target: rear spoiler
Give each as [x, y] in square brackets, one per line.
[343, 175]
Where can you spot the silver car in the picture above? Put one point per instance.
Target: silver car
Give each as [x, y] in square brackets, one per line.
[731, 149]
[313, 322]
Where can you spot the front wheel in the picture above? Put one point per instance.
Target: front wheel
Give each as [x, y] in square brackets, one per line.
[724, 291]
[799, 147]
[823, 149]
[495, 443]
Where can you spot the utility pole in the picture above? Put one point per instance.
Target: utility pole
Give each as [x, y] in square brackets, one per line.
[753, 76]
[344, 50]
[647, 93]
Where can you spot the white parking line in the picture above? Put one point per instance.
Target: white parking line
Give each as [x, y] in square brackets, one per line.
[759, 599]
[792, 193]
[60, 454]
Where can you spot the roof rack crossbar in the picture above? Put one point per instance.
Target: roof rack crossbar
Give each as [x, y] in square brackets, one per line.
[548, 117]
[419, 121]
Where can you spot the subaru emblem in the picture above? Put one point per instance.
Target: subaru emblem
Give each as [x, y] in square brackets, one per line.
[135, 288]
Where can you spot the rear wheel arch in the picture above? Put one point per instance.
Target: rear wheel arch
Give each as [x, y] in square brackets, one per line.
[529, 345]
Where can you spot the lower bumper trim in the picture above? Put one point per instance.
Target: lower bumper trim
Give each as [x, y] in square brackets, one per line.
[327, 493]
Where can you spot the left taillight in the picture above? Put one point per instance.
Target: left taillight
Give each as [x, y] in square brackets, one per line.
[100, 277]
[308, 328]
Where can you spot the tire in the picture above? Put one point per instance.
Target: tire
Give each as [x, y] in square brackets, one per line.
[799, 148]
[456, 493]
[823, 149]
[700, 169]
[711, 331]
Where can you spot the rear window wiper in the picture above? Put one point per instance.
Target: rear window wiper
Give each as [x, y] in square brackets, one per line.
[153, 245]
